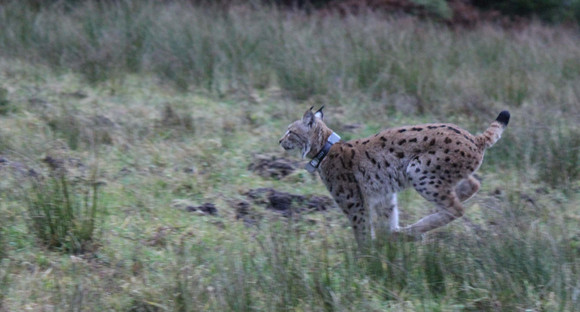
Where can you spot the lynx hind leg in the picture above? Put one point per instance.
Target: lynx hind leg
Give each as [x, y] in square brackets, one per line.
[467, 188]
[449, 208]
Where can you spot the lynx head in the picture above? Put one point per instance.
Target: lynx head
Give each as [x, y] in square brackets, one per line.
[306, 134]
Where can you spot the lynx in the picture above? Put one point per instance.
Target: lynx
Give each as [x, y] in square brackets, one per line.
[364, 175]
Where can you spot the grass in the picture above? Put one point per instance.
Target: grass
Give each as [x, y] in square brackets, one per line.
[176, 100]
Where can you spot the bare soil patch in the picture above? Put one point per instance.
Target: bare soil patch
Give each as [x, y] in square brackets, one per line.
[272, 167]
[288, 203]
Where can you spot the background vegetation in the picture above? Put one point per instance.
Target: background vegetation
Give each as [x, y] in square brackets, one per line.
[135, 112]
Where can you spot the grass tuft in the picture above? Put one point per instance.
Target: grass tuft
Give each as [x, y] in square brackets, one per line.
[64, 214]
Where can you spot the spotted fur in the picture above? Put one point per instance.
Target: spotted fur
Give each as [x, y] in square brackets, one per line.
[364, 175]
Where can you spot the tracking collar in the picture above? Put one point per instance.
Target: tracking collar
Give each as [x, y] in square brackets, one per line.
[315, 162]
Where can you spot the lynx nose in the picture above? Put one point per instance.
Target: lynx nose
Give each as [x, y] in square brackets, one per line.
[282, 140]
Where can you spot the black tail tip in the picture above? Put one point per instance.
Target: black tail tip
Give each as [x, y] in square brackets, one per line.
[503, 118]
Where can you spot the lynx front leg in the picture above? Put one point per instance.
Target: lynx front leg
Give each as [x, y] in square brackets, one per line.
[384, 215]
[359, 218]
[361, 226]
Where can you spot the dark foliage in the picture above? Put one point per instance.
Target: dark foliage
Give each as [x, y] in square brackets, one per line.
[547, 10]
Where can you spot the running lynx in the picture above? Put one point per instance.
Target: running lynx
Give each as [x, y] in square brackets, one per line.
[364, 175]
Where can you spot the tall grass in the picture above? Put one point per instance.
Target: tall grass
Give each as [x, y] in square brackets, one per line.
[221, 50]
[284, 269]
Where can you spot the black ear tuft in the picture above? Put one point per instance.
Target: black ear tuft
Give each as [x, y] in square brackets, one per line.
[319, 113]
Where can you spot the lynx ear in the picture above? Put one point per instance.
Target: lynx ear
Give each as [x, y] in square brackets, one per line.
[308, 118]
[319, 113]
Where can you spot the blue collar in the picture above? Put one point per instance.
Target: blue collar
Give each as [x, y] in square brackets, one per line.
[315, 162]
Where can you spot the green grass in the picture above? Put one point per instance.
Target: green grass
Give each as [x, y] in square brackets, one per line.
[175, 100]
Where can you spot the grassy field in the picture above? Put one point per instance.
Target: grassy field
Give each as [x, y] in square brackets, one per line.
[118, 119]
